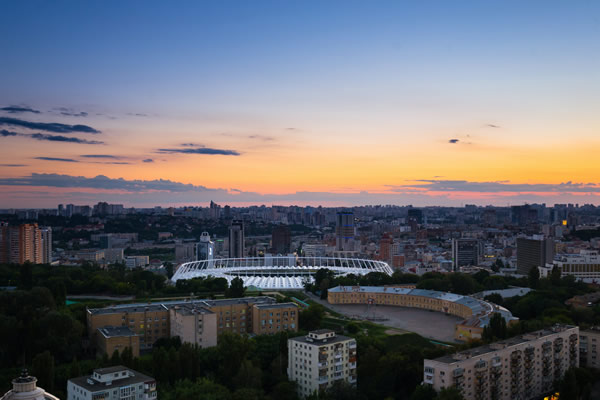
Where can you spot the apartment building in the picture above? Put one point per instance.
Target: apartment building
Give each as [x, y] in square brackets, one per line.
[589, 348]
[273, 318]
[319, 359]
[194, 324]
[111, 338]
[25, 243]
[114, 383]
[197, 321]
[524, 367]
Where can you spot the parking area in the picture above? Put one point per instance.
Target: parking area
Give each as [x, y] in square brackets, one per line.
[429, 324]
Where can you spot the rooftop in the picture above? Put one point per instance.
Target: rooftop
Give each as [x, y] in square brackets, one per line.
[330, 340]
[92, 385]
[502, 344]
[116, 331]
[276, 305]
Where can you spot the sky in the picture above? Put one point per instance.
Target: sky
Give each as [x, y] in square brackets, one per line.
[299, 102]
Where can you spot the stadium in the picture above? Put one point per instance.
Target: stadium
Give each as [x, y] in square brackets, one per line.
[283, 272]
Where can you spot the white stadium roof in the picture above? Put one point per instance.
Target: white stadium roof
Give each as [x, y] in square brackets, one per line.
[277, 272]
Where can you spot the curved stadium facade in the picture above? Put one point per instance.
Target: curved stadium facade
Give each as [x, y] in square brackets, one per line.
[284, 272]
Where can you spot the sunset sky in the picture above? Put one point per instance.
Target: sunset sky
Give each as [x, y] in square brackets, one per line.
[299, 102]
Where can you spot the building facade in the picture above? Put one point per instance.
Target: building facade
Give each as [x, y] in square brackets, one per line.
[24, 243]
[465, 252]
[524, 367]
[194, 324]
[584, 266]
[205, 249]
[111, 338]
[281, 239]
[316, 361]
[589, 348]
[535, 251]
[236, 239]
[344, 231]
[114, 383]
[273, 318]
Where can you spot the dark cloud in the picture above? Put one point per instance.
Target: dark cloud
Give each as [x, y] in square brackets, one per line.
[100, 156]
[60, 138]
[4, 132]
[200, 150]
[148, 160]
[56, 159]
[453, 141]
[492, 126]
[48, 127]
[13, 165]
[438, 185]
[191, 145]
[18, 109]
[137, 114]
[102, 182]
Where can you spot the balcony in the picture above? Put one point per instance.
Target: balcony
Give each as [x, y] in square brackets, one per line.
[323, 364]
[323, 378]
[352, 345]
[458, 372]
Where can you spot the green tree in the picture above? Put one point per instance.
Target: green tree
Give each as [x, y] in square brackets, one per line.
[534, 277]
[555, 276]
[42, 367]
[451, 393]
[424, 392]
[236, 288]
[310, 318]
[115, 359]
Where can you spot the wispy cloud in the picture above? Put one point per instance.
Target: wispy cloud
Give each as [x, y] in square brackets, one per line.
[148, 160]
[48, 127]
[13, 165]
[60, 138]
[438, 185]
[261, 137]
[69, 112]
[492, 126]
[18, 110]
[99, 156]
[57, 159]
[49, 138]
[200, 150]
[453, 141]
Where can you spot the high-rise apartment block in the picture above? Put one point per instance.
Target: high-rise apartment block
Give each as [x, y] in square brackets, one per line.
[113, 383]
[535, 251]
[25, 243]
[524, 367]
[236, 239]
[589, 347]
[465, 252]
[281, 239]
[316, 361]
[344, 231]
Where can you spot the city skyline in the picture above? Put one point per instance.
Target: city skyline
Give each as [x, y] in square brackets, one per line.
[337, 104]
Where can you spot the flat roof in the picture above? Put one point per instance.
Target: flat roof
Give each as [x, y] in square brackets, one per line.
[191, 309]
[137, 377]
[494, 347]
[319, 342]
[276, 305]
[166, 305]
[116, 331]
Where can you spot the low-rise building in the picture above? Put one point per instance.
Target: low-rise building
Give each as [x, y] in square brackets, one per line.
[114, 383]
[273, 318]
[316, 361]
[153, 321]
[194, 324]
[111, 338]
[523, 367]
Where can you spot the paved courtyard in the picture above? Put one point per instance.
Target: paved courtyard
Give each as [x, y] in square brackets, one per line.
[429, 324]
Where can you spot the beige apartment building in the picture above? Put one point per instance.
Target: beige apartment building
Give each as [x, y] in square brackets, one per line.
[273, 318]
[113, 338]
[524, 367]
[194, 324]
[319, 359]
[198, 321]
[589, 348]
